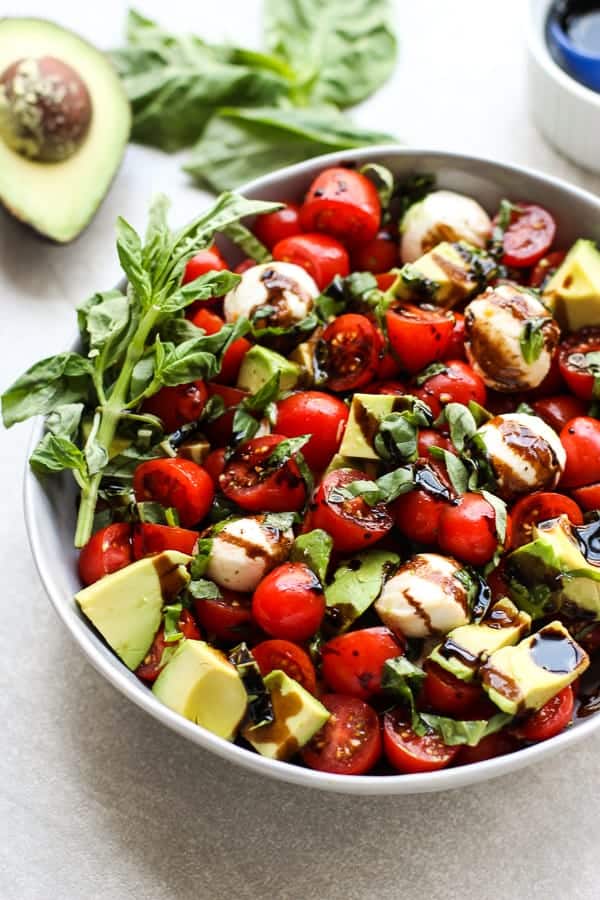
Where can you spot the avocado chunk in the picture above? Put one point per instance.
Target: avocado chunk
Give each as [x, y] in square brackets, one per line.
[126, 606]
[298, 716]
[356, 585]
[64, 126]
[573, 292]
[260, 365]
[555, 563]
[366, 413]
[369, 467]
[443, 275]
[525, 677]
[465, 648]
[201, 685]
[196, 449]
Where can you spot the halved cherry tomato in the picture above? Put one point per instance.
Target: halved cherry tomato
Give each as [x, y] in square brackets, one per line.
[352, 346]
[352, 523]
[352, 663]
[108, 550]
[417, 515]
[577, 367]
[233, 356]
[387, 387]
[429, 437]
[557, 411]
[448, 695]
[322, 256]
[289, 602]
[458, 383]
[587, 497]
[550, 720]
[176, 406]
[350, 741]
[498, 744]
[418, 336]
[219, 431]
[228, 618]
[318, 414]
[343, 203]
[155, 661]
[215, 463]
[408, 752]
[581, 439]
[545, 268]
[256, 485]
[388, 366]
[385, 280]
[552, 384]
[378, 255]
[271, 228]
[150, 537]
[180, 483]
[529, 236]
[456, 345]
[467, 529]
[290, 658]
[539, 507]
[244, 266]
[209, 260]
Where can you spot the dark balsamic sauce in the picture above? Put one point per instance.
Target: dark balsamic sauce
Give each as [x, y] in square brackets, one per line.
[554, 652]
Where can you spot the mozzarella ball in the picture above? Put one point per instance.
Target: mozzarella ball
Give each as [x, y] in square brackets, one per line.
[495, 323]
[286, 287]
[525, 454]
[244, 551]
[424, 597]
[442, 216]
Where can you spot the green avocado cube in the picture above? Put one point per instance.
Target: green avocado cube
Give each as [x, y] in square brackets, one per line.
[573, 292]
[366, 413]
[442, 275]
[261, 364]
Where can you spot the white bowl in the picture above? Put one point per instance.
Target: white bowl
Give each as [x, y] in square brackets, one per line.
[565, 111]
[50, 505]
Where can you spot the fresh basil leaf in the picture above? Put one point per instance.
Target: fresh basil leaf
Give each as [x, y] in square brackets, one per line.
[64, 421]
[55, 453]
[248, 243]
[203, 589]
[402, 680]
[456, 468]
[456, 732]
[499, 507]
[52, 382]
[142, 374]
[341, 51]
[285, 451]
[268, 393]
[531, 341]
[386, 489]
[106, 321]
[260, 709]
[413, 190]
[436, 368]
[280, 521]
[396, 439]
[156, 239]
[200, 559]
[383, 180]
[479, 413]
[296, 332]
[172, 615]
[461, 423]
[479, 595]
[129, 249]
[356, 584]
[535, 600]
[241, 144]
[244, 426]
[186, 362]
[212, 284]
[314, 550]
[502, 220]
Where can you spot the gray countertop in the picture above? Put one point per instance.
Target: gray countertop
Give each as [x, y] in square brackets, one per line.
[96, 799]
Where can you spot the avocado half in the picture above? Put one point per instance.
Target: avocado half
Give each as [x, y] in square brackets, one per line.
[58, 198]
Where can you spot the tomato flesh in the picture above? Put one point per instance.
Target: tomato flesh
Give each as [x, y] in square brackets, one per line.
[498, 744]
[350, 741]
[538, 507]
[418, 336]
[178, 483]
[529, 236]
[352, 346]
[107, 551]
[154, 662]
[251, 482]
[176, 406]
[289, 602]
[227, 618]
[408, 752]
[352, 523]
[579, 362]
[352, 663]
[587, 497]
[344, 204]
[290, 658]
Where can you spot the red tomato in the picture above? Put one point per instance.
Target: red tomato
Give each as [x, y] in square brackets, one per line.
[290, 658]
[429, 437]
[388, 366]
[456, 345]
[407, 752]
[545, 268]
[587, 497]
[209, 260]
[352, 663]
[581, 439]
[150, 537]
[575, 367]
[215, 463]
[219, 431]
[529, 236]
[378, 255]
[179, 483]
[233, 356]
[350, 741]
[150, 668]
[385, 280]
[318, 414]
[550, 720]
[467, 530]
[342, 203]
[556, 411]
[250, 482]
[352, 352]
[418, 336]
[353, 524]
[227, 618]
[106, 551]
[289, 602]
[552, 384]
[244, 266]
[176, 406]
[538, 507]
[458, 384]
[271, 228]
[417, 515]
[386, 387]
[448, 695]
[322, 256]
[498, 744]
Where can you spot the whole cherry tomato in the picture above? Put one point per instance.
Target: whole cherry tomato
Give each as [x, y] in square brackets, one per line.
[289, 602]
[350, 741]
[178, 483]
[450, 696]
[581, 439]
[175, 406]
[318, 414]
[498, 744]
[418, 336]
[273, 227]
[343, 203]
[108, 550]
[457, 383]
[322, 256]
[290, 658]
[233, 356]
[256, 484]
[352, 663]
[227, 618]
[467, 529]
[557, 411]
[209, 260]
[378, 255]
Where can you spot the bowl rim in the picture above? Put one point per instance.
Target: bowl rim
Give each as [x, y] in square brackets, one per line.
[538, 48]
[119, 676]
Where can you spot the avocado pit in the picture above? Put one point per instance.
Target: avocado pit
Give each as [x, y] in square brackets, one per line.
[45, 109]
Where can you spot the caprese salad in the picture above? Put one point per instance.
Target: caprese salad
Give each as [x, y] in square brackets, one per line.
[339, 502]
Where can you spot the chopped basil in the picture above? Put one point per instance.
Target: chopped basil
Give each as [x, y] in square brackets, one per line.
[383, 180]
[260, 708]
[384, 490]
[397, 435]
[455, 732]
[201, 557]
[502, 220]
[203, 589]
[436, 368]
[402, 680]
[461, 423]
[531, 341]
[314, 550]
[172, 615]
[479, 595]
[499, 507]
[413, 190]
[456, 468]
